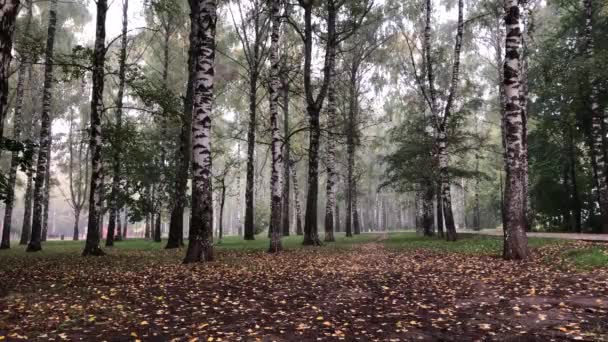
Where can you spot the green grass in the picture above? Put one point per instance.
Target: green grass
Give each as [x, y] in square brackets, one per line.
[467, 243]
[153, 252]
[588, 258]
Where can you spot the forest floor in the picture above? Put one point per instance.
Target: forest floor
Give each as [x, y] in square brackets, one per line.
[395, 287]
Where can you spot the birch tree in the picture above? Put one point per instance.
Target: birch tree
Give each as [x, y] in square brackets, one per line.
[598, 152]
[442, 116]
[9, 10]
[200, 246]
[24, 67]
[516, 242]
[330, 194]
[183, 154]
[314, 105]
[116, 148]
[251, 26]
[95, 189]
[43, 161]
[277, 156]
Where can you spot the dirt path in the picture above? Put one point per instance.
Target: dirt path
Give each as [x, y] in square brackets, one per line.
[565, 236]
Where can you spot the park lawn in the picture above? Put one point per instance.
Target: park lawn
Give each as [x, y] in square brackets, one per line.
[584, 256]
[370, 287]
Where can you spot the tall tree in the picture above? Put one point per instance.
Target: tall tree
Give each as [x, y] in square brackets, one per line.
[252, 32]
[43, 162]
[285, 87]
[183, 154]
[78, 171]
[598, 152]
[9, 10]
[26, 225]
[313, 109]
[95, 189]
[47, 189]
[116, 148]
[200, 247]
[296, 198]
[277, 155]
[24, 67]
[330, 191]
[516, 242]
[441, 117]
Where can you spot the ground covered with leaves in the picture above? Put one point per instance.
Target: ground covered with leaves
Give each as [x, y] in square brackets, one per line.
[376, 287]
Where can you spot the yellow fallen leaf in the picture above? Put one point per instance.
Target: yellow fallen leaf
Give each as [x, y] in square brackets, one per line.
[134, 334]
[143, 323]
[202, 326]
[105, 297]
[542, 317]
[327, 323]
[319, 318]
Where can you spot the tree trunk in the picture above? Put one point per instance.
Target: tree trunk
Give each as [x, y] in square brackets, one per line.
[116, 160]
[176, 224]
[200, 247]
[125, 224]
[95, 189]
[286, 152]
[576, 201]
[47, 189]
[111, 227]
[12, 175]
[439, 211]
[157, 228]
[45, 132]
[147, 229]
[338, 225]
[441, 122]
[276, 190]
[523, 94]
[296, 199]
[356, 225]
[249, 233]
[597, 133]
[351, 141]
[26, 226]
[516, 242]
[446, 197]
[221, 218]
[9, 10]
[330, 192]
[311, 235]
[118, 236]
[313, 109]
[427, 210]
[76, 235]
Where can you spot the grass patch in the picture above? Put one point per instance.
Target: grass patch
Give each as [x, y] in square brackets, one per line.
[466, 243]
[588, 258]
